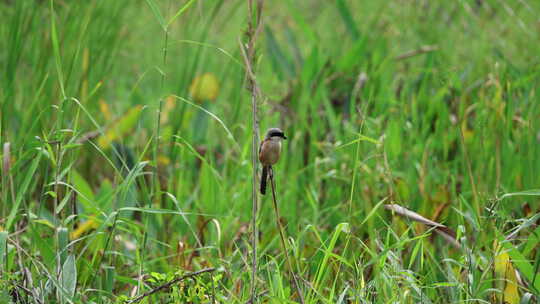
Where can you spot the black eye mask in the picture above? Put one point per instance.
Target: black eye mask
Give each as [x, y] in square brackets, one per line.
[277, 133]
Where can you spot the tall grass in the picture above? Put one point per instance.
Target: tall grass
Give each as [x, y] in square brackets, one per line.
[119, 174]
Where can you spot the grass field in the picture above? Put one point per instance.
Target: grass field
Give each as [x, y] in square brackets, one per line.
[410, 173]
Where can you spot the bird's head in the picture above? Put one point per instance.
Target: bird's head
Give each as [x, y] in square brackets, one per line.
[275, 133]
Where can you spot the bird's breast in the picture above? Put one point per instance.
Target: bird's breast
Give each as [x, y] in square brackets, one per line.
[270, 151]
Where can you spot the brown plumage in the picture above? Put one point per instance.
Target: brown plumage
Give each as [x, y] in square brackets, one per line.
[269, 152]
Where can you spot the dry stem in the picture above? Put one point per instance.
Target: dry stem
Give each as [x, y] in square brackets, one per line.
[282, 236]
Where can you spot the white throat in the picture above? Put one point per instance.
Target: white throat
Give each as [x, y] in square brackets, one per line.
[276, 138]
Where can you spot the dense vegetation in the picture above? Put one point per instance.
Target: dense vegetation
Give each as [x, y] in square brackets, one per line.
[126, 137]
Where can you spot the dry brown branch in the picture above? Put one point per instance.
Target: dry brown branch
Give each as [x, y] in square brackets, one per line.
[282, 237]
[88, 136]
[422, 50]
[442, 230]
[248, 52]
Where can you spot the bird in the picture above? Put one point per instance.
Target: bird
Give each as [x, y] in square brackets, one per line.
[269, 153]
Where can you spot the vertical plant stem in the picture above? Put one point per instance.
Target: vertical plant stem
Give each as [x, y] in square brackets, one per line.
[155, 187]
[353, 183]
[58, 136]
[469, 169]
[105, 248]
[155, 180]
[255, 144]
[160, 109]
[249, 57]
[282, 236]
[56, 202]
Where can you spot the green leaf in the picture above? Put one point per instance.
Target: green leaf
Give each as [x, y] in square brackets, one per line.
[359, 139]
[3, 247]
[345, 14]
[300, 19]
[126, 280]
[214, 116]
[180, 12]
[351, 57]
[394, 139]
[63, 203]
[533, 241]
[22, 191]
[157, 13]
[199, 156]
[69, 276]
[109, 278]
[105, 195]
[534, 192]
[63, 240]
[86, 196]
[156, 211]
[44, 245]
[342, 227]
[56, 50]
[281, 63]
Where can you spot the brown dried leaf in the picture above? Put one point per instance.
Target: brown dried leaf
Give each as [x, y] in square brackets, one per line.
[411, 215]
[440, 229]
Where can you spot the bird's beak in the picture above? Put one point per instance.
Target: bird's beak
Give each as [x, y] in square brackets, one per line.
[284, 137]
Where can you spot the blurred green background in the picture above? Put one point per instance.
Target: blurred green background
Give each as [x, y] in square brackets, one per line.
[432, 105]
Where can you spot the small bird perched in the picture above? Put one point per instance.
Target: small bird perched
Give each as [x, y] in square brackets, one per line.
[269, 153]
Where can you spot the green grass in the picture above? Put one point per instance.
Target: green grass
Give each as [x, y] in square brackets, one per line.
[95, 209]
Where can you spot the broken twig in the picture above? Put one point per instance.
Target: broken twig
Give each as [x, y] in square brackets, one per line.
[422, 50]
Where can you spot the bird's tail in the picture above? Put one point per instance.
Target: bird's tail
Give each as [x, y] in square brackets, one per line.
[264, 177]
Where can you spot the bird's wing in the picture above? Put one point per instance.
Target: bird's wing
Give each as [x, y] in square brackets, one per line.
[260, 148]
[260, 145]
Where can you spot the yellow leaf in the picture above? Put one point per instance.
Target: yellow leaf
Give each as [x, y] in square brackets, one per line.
[85, 60]
[168, 105]
[45, 222]
[204, 87]
[163, 160]
[468, 134]
[121, 127]
[506, 278]
[104, 108]
[84, 227]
